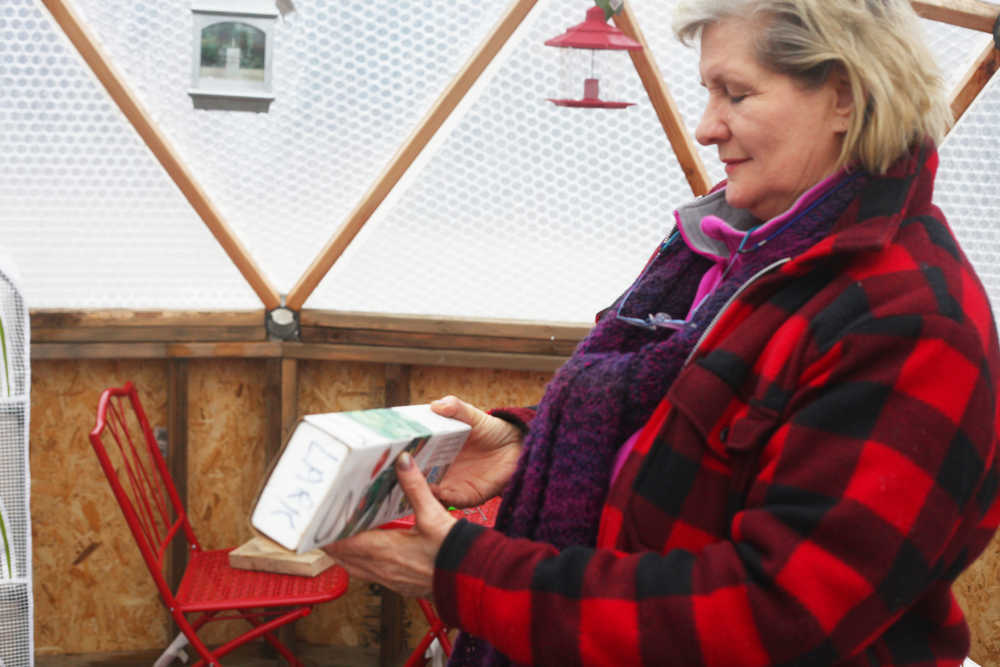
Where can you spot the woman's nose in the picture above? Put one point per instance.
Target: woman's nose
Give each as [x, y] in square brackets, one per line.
[711, 128]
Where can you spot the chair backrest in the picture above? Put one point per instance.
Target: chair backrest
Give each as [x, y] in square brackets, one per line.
[140, 480]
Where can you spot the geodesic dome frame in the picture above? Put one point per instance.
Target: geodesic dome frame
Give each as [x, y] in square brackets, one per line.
[480, 121]
[371, 292]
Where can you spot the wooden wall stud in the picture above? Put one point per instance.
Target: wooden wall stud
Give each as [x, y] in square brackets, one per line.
[177, 460]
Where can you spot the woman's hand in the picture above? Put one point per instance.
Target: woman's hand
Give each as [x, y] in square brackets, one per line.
[402, 560]
[487, 460]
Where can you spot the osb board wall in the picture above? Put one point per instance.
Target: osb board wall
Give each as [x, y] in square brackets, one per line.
[227, 444]
[92, 592]
[978, 593]
[485, 387]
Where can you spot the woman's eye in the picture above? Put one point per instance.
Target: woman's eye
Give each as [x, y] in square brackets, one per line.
[736, 99]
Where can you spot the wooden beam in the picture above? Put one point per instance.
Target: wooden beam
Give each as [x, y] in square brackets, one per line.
[125, 326]
[444, 326]
[281, 397]
[239, 350]
[156, 350]
[119, 325]
[664, 105]
[319, 351]
[330, 335]
[43, 351]
[177, 460]
[408, 153]
[387, 354]
[114, 83]
[372, 337]
[147, 334]
[397, 355]
[979, 74]
[60, 318]
[281, 401]
[392, 626]
[972, 14]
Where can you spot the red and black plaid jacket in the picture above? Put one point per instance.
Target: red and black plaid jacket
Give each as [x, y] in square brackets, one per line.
[819, 473]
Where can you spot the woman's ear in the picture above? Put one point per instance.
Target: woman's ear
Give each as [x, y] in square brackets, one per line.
[843, 108]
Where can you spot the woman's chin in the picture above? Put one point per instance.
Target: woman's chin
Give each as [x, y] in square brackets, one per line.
[761, 210]
[736, 199]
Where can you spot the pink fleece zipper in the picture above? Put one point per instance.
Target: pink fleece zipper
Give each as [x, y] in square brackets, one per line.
[717, 228]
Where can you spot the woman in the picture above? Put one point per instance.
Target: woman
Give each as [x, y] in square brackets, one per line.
[778, 447]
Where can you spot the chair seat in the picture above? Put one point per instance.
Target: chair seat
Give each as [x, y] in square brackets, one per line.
[209, 583]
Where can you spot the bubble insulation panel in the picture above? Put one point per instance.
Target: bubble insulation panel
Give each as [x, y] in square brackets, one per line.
[518, 209]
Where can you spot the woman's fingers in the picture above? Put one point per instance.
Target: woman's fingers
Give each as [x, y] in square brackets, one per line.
[432, 518]
[392, 558]
[456, 408]
[402, 560]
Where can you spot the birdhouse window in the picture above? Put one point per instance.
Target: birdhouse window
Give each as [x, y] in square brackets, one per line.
[232, 55]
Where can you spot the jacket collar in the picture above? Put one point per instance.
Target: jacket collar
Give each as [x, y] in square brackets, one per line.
[873, 220]
[868, 224]
[689, 218]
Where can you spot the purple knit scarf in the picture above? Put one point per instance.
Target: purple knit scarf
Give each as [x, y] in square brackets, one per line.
[609, 388]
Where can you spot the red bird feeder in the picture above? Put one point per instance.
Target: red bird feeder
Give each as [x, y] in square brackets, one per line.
[596, 35]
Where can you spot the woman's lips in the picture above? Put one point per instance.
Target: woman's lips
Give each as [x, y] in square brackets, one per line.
[732, 164]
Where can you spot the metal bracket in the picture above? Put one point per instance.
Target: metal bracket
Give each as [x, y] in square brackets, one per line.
[283, 323]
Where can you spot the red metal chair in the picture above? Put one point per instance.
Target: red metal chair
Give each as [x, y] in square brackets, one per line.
[210, 590]
[484, 515]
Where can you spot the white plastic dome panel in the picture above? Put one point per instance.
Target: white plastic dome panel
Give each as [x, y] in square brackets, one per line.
[351, 81]
[967, 189]
[532, 211]
[525, 209]
[90, 216]
[518, 209]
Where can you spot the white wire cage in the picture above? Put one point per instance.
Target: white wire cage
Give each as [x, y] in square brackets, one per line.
[16, 603]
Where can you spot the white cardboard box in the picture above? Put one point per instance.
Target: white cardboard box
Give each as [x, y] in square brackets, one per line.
[335, 475]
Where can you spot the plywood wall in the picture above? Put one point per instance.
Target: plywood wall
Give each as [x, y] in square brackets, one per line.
[485, 387]
[978, 593]
[92, 593]
[227, 444]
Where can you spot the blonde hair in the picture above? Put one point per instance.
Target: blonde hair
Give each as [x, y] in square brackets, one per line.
[897, 88]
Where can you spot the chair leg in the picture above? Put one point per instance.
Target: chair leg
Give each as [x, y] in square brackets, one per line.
[191, 632]
[259, 630]
[264, 630]
[438, 628]
[416, 658]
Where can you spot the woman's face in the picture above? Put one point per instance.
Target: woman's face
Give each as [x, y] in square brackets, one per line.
[776, 139]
